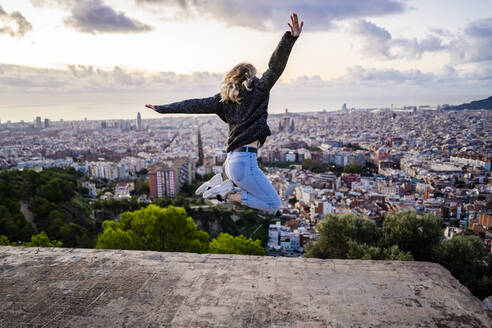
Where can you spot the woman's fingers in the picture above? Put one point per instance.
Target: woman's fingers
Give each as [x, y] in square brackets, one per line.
[295, 27]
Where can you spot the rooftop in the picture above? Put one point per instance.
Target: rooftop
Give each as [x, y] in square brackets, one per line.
[60, 287]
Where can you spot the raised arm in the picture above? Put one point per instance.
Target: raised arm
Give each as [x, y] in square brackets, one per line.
[210, 105]
[279, 58]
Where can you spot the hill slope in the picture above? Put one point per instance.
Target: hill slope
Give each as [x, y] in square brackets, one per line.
[477, 104]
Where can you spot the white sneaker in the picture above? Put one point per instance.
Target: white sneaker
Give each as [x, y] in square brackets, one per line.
[216, 180]
[221, 191]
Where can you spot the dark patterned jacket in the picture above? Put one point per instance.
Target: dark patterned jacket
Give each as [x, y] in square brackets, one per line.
[248, 120]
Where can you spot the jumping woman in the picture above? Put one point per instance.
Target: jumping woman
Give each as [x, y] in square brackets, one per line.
[242, 103]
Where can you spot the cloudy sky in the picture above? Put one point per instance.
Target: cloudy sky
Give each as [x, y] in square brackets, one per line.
[104, 59]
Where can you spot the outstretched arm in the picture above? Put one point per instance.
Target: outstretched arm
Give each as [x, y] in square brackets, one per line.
[279, 58]
[210, 105]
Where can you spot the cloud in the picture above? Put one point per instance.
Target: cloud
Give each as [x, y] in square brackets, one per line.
[447, 77]
[273, 14]
[15, 17]
[481, 73]
[441, 32]
[472, 45]
[92, 16]
[481, 28]
[78, 91]
[413, 48]
[90, 79]
[360, 74]
[363, 87]
[378, 42]
[475, 44]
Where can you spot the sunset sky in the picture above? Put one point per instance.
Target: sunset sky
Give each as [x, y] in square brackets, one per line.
[105, 59]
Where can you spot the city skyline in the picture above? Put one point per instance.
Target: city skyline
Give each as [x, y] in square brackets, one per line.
[105, 59]
[414, 168]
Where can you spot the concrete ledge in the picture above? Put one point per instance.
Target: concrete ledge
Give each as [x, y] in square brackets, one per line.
[60, 287]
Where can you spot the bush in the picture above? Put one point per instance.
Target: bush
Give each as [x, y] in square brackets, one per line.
[419, 236]
[336, 232]
[463, 257]
[39, 240]
[154, 228]
[366, 252]
[227, 244]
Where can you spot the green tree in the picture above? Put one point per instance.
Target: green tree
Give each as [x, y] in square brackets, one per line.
[154, 228]
[73, 235]
[336, 232]
[57, 190]
[52, 198]
[358, 251]
[227, 244]
[481, 286]
[462, 256]
[115, 237]
[42, 240]
[4, 241]
[41, 209]
[116, 206]
[54, 224]
[367, 252]
[394, 253]
[353, 168]
[312, 165]
[188, 190]
[141, 187]
[15, 226]
[419, 236]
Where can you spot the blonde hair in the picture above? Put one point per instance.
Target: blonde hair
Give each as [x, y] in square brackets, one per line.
[239, 77]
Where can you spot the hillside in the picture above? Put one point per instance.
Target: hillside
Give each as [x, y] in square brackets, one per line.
[477, 104]
[52, 202]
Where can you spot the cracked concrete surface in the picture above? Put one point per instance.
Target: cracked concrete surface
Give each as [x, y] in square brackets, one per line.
[60, 287]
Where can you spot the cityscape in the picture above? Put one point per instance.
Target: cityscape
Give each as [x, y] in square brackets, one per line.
[367, 162]
[249, 164]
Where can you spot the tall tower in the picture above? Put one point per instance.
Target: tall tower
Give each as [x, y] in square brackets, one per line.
[38, 122]
[200, 149]
[139, 122]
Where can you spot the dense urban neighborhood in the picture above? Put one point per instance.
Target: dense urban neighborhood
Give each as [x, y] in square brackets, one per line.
[378, 184]
[367, 162]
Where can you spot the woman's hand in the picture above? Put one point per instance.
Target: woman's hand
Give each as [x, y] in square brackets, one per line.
[295, 28]
[150, 106]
